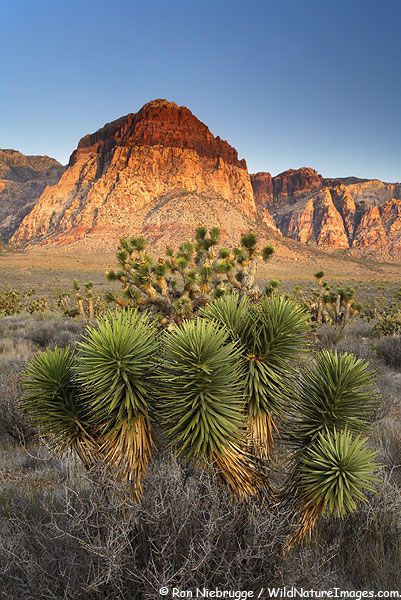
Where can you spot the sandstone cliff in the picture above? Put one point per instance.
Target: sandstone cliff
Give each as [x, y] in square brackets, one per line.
[159, 171]
[357, 215]
[22, 180]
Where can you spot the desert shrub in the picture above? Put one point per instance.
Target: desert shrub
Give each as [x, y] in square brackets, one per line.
[358, 345]
[95, 542]
[14, 347]
[368, 543]
[389, 350]
[11, 419]
[329, 335]
[13, 302]
[361, 328]
[385, 313]
[38, 332]
[91, 540]
[38, 305]
[53, 333]
[387, 438]
[357, 337]
[389, 323]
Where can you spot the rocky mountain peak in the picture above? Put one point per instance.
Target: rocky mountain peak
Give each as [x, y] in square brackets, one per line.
[162, 123]
[159, 171]
[293, 182]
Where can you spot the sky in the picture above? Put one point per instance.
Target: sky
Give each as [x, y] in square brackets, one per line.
[288, 83]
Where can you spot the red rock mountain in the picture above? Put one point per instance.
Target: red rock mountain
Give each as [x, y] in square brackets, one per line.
[22, 180]
[159, 171]
[360, 216]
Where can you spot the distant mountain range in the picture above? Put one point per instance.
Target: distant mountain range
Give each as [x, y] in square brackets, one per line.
[360, 216]
[161, 172]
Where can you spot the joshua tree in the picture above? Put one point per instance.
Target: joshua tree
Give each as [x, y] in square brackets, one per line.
[80, 300]
[202, 405]
[328, 305]
[85, 303]
[319, 277]
[269, 335]
[89, 298]
[97, 402]
[330, 467]
[175, 286]
[346, 304]
[114, 367]
[54, 406]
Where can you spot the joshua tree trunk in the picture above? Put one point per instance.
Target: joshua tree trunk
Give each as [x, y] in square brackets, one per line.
[80, 304]
[319, 308]
[338, 308]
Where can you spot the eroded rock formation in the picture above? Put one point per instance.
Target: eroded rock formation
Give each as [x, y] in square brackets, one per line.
[361, 216]
[22, 180]
[159, 171]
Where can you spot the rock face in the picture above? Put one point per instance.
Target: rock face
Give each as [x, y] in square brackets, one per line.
[262, 184]
[22, 180]
[159, 171]
[358, 215]
[292, 183]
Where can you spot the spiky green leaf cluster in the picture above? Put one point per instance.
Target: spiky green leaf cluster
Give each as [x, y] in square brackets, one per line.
[334, 393]
[97, 401]
[201, 397]
[52, 401]
[115, 365]
[270, 334]
[336, 471]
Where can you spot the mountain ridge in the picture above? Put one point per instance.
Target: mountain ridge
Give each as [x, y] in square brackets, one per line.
[160, 172]
[360, 216]
[119, 174]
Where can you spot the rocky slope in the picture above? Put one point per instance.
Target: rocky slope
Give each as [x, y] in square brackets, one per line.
[22, 180]
[159, 171]
[360, 216]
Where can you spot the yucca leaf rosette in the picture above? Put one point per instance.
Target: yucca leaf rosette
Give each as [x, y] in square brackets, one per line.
[336, 471]
[332, 402]
[270, 335]
[53, 404]
[335, 392]
[201, 401]
[115, 367]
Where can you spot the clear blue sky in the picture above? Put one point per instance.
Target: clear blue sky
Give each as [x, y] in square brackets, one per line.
[287, 82]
